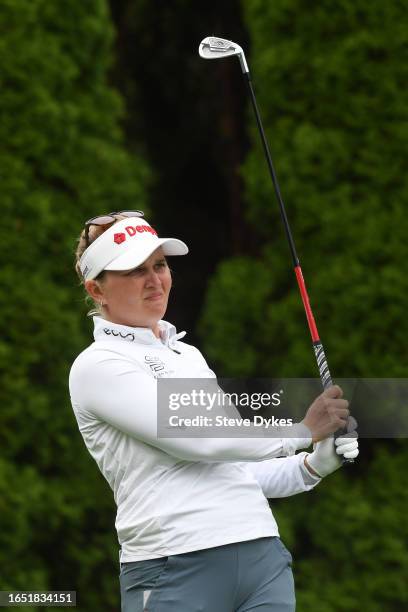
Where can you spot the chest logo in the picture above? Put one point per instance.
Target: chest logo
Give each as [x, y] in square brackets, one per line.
[157, 366]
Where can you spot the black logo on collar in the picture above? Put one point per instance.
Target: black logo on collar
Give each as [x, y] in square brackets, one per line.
[111, 332]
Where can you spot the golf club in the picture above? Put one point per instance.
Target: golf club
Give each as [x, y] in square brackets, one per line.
[213, 47]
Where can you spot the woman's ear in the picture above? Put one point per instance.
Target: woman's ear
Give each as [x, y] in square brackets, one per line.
[94, 290]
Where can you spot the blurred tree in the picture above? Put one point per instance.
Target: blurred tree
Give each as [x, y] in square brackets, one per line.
[62, 160]
[350, 548]
[330, 85]
[330, 82]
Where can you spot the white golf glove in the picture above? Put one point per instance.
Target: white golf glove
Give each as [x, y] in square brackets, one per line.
[327, 454]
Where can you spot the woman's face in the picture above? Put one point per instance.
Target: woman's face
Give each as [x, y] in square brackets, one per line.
[136, 297]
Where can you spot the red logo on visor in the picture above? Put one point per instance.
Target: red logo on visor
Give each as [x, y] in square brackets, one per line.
[119, 238]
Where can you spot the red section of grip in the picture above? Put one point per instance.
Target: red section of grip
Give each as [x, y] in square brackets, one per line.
[306, 304]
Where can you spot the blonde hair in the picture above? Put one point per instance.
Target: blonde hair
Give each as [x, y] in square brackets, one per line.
[94, 232]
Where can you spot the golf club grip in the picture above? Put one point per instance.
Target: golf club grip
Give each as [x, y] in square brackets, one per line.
[327, 382]
[320, 355]
[322, 364]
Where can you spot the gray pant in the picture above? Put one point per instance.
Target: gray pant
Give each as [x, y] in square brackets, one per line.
[240, 577]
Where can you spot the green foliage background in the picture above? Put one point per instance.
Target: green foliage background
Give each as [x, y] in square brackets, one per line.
[330, 81]
[62, 160]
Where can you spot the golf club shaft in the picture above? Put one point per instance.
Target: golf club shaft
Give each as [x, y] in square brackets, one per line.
[317, 344]
[318, 347]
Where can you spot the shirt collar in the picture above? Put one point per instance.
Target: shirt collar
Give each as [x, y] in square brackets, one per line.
[106, 330]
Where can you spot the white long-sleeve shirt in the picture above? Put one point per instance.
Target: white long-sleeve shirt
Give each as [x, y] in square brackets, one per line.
[173, 495]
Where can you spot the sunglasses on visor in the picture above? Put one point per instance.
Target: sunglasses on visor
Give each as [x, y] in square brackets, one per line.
[108, 218]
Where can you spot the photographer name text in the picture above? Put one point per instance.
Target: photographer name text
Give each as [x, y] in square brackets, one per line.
[223, 421]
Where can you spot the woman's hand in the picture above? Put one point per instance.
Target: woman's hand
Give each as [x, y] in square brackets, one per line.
[328, 413]
[327, 454]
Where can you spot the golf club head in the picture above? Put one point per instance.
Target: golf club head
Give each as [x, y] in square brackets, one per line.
[213, 47]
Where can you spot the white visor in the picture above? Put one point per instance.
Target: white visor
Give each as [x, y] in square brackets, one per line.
[124, 246]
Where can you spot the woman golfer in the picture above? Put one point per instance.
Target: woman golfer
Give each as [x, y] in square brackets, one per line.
[193, 522]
